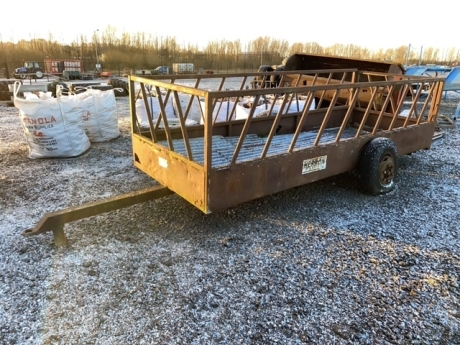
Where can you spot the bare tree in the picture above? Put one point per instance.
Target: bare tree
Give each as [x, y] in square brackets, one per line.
[144, 50]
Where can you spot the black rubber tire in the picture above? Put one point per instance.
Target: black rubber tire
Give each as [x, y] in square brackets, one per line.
[38, 74]
[378, 166]
[120, 86]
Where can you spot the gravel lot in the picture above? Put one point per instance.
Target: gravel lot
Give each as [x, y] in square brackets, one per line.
[318, 264]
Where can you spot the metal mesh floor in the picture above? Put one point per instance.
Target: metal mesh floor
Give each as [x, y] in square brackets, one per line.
[223, 148]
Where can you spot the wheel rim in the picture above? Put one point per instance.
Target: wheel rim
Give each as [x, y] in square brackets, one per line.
[23, 76]
[39, 74]
[387, 170]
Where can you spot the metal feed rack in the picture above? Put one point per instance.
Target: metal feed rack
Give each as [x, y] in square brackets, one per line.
[220, 162]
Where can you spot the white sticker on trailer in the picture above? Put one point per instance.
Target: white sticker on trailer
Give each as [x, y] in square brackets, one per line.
[314, 164]
[162, 162]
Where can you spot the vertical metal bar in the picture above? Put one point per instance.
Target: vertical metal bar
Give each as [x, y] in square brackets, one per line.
[326, 117]
[399, 106]
[197, 83]
[384, 106]
[183, 127]
[215, 100]
[272, 106]
[220, 100]
[292, 96]
[244, 132]
[190, 102]
[60, 239]
[162, 108]
[313, 83]
[413, 108]
[303, 118]
[297, 81]
[424, 107]
[208, 100]
[358, 76]
[132, 107]
[296, 95]
[162, 117]
[274, 128]
[281, 81]
[221, 85]
[299, 78]
[393, 105]
[232, 113]
[148, 112]
[354, 93]
[320, 102]
[375, 106]
[366, 113]
[264, 82]
[435, 103]
[243, 82]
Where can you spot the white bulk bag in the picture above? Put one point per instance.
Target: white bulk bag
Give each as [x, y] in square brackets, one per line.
[297, 105]
[154, 106]
[242, 112]
[195, 110]
[100, 119]
[53, 127]
[222, 110]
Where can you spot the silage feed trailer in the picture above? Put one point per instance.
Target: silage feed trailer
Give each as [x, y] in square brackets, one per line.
[246, 143]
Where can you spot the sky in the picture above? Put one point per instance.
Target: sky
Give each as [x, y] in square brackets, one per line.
[368, 24]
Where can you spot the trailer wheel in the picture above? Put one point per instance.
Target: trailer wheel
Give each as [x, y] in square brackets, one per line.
[378, 166]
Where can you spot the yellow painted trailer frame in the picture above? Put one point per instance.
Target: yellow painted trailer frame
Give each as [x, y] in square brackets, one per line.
[307, 126]
[346, 116]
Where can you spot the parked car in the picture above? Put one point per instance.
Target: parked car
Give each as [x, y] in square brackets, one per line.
[162, 70]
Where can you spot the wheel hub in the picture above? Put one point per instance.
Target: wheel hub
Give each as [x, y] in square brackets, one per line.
[386, 170]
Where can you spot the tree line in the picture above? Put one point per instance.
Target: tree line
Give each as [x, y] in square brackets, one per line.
[146, 51]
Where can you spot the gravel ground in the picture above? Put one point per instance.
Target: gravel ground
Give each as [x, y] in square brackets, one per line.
[317, 264]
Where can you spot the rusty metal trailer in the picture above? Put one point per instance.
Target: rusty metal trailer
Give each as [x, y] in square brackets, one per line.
[299, 61]
[245, 143]
[59, 66]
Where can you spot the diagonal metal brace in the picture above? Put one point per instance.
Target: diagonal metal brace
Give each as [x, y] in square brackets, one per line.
[54, 221]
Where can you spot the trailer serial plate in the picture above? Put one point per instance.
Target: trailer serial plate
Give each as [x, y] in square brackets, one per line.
[314, 164]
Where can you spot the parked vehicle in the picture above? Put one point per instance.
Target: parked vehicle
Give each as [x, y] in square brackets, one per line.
[183, 68]
[58, 67]
[162, 70]
[31, 69]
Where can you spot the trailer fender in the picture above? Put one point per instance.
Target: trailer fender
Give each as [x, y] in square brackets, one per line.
[378, 166]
